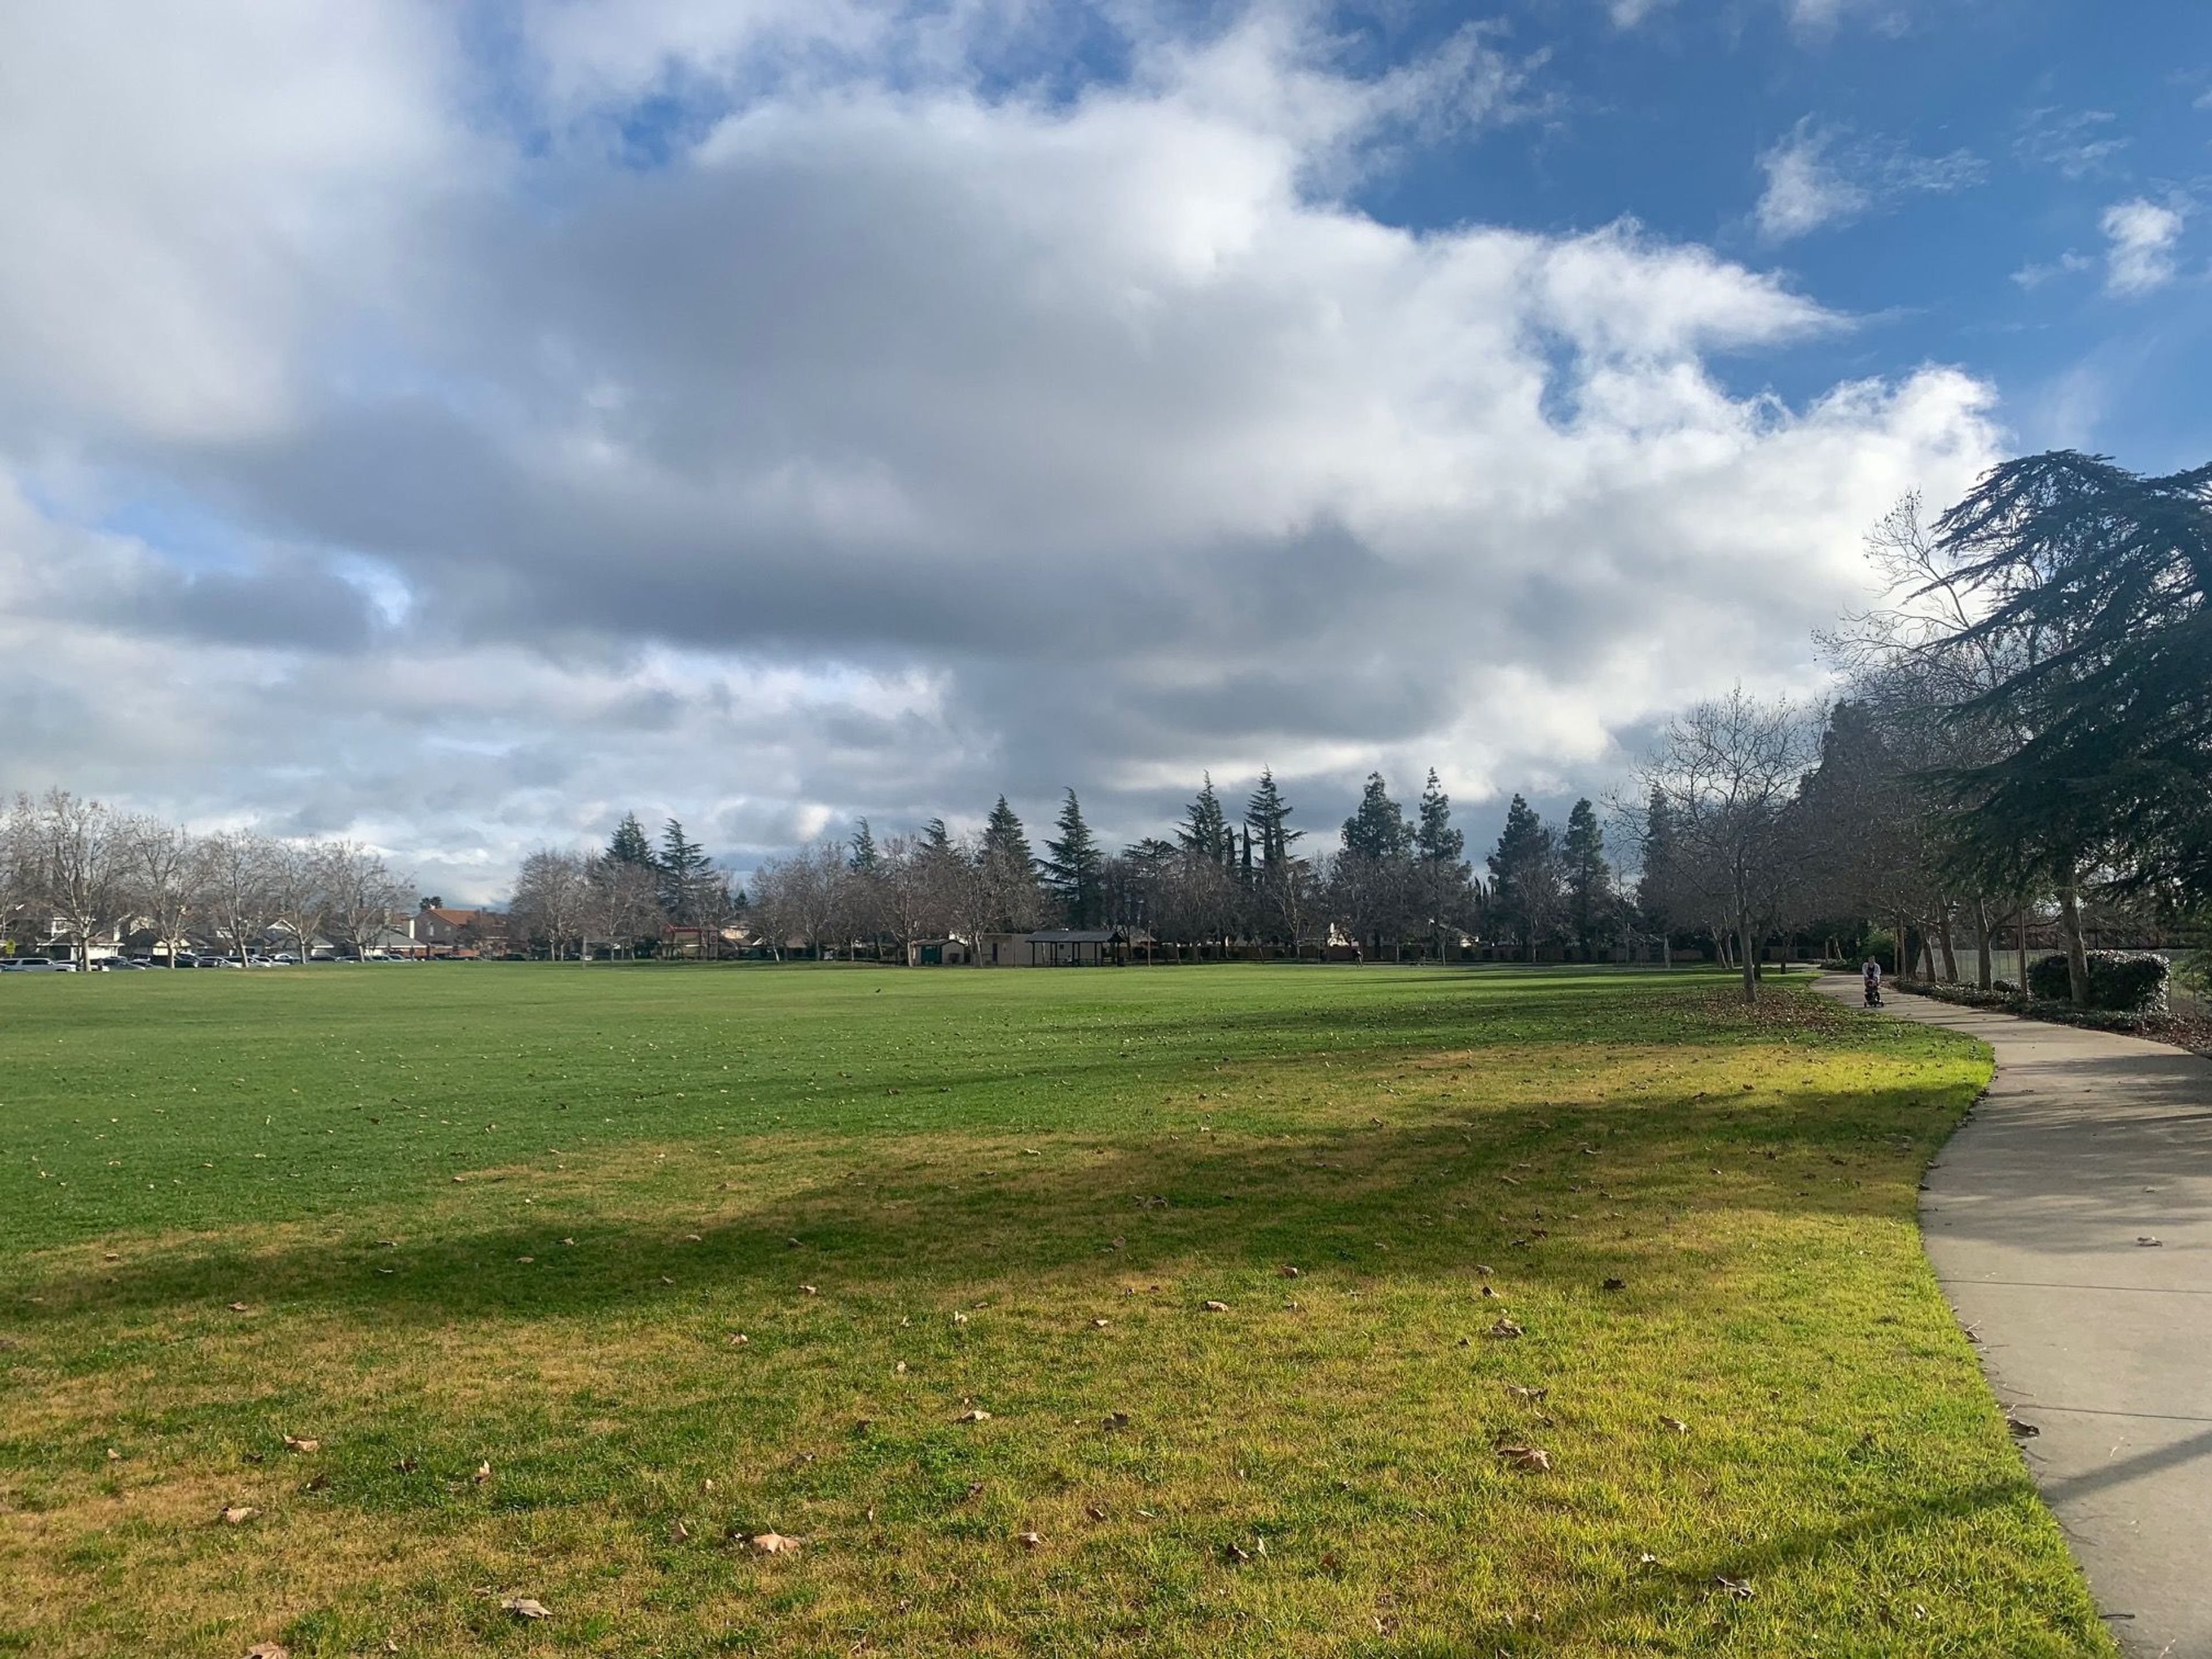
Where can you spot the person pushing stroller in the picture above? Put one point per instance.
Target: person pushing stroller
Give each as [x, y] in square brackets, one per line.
[1870, 975]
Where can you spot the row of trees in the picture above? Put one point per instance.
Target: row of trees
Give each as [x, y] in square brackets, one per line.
[623, 898]
[76, 872]
[1393, 879]
[2024, 743]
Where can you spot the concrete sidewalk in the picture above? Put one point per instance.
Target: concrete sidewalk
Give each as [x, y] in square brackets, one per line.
[2086, 1145]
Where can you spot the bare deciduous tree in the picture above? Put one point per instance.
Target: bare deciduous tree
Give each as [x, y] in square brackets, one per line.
[1728, 772]
[162, 871]
[552, 900]
[233, 874]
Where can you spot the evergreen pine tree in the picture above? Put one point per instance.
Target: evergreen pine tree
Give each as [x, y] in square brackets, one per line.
[1268, 814]
[1525, 865]
[1004, 839]
[1205, 834]
[1074, 867]
[1377, 830]
[1435, 839]
[684, 868]
[629, 844]
[1589, 877]
[936, 838]
[864, 857]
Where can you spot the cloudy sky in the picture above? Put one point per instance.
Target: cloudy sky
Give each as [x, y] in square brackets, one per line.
[452, 423]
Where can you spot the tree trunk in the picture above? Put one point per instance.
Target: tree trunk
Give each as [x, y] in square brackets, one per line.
[2077, 957]
[2023, 947]
[1982, 973]
[1943, 939]
[1750, 955]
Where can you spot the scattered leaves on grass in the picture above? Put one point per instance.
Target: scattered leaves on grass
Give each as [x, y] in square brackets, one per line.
[319, 1483]
[1614, 1285]
[739, 1339]
[808, 1290]
[1095, 1511]
[1289, 1272]
[268, 1650]
[239, 1307]
[1097, 1324]
[482, 1474]
[975, 1414]
[237, 1515]
[1236, 1555]
[1031, 1541]
[292, 1443]
[523, 1607]
[405, 1466]
[1737, 1589]
[678, 1532]
[2020, 1431]
[772, 1543]
[1115, 1420]
[1674, 1425]
[1504, 1327]
[1522, 1391]
[1217, 1307]
[1528, 1459]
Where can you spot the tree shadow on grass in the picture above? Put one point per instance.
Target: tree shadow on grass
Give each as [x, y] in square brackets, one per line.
[1513, 1188]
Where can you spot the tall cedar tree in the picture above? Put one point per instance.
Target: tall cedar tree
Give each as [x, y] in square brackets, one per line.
[1589, 877]
[1205, 834]
[935, 837]
[2110, 575]
[1004, 839]
[864, 857]
[1434, 838]
[1377, 830]
[685, 871]
[629, 844]
[1075, 867]
[1267, 815]
[1522, 871]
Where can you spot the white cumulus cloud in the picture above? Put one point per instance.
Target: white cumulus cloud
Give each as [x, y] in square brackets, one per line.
[766, 416]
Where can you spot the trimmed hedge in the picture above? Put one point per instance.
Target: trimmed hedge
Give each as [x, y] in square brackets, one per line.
[2123, 982]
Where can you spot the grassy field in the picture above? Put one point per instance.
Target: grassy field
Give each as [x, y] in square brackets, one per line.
[980, 1286]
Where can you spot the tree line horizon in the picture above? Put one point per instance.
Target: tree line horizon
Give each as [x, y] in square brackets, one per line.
[2021, 735]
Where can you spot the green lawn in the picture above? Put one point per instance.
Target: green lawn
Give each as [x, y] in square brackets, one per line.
[491, 1233]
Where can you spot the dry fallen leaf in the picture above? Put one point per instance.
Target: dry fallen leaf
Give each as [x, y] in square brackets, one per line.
[960, 1319]
[1530, 1460]
[1236, 1555]
[1290, 1271]
[1095, 1511]
[1504, 1327]
[899, 1369]
[1115, 1420]
[268, 1650]
[292, 1444]
[808, 1290]
[405, 1466]
[772, 1543]
[239, 1514]
[977, 1415]
[739, 1339]
[678, 1532]
[1217, 1307]
[1737, 1589]
[522, 1607]
[1031, 1541]
[1675, 1424]
[1614, 1285]
[2020, 1431]
[482, 1474]
[2146, 1239]
[1522, 1391]
[238, 1307]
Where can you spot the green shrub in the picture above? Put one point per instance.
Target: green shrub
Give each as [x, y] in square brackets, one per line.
[2126, 981]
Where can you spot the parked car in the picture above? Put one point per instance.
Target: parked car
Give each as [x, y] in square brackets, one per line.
[42, 965]
[117, 965]
[284, 959]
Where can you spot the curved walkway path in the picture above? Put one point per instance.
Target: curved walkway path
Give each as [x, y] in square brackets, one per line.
[2033, 1215]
